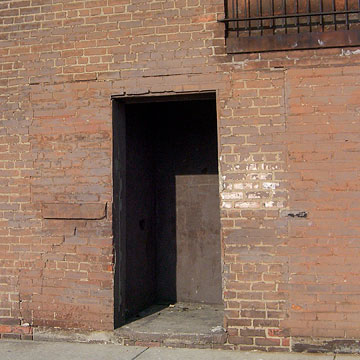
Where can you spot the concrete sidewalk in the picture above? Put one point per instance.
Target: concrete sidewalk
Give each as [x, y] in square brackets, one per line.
[36, 350]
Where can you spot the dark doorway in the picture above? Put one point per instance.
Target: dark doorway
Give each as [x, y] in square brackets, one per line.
[166, 202]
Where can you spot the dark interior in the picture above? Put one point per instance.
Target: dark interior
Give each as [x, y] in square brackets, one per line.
[164, 140]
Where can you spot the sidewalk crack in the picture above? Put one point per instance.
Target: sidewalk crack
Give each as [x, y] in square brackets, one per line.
[139, 354]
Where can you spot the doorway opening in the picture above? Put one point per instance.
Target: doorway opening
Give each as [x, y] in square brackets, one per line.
[166, 205]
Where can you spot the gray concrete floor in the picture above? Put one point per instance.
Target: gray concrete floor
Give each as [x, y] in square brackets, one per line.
[180, 318]
[34, 350]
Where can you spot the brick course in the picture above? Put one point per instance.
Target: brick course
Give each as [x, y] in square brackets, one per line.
[288, 141]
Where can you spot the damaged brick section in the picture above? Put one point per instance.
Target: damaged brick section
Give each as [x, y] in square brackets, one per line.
[326, 346]
[74, 211]
[16, 332]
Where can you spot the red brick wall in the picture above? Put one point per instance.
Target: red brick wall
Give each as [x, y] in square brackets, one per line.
[295, 150]
[323, 159]
[24, 332]
[288, 142]
[60, 63]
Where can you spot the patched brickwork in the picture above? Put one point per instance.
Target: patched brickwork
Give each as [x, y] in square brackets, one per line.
[16, 332]
[288, 144]
[323, 158]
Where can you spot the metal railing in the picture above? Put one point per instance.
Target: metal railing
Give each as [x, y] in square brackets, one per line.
[264, 18]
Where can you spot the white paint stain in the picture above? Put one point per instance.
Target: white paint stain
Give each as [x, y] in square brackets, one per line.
[254, 196]
[350, 52]
[232, 196]
[269, 204]
[252, 167]
[247, 204]
[226, 205]
[242, 186]
[270, 185]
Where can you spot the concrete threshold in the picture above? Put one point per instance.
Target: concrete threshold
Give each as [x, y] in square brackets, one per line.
[180, 325]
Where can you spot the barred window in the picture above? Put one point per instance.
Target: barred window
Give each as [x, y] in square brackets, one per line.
[266, 25]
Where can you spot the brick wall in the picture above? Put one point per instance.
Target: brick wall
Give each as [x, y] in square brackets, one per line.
[290, 276]
[323, 158]
[288, 125]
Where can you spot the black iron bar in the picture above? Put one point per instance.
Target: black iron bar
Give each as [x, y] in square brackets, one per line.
[297, 12]
[334, 10]
[347, 15]
[245, 12]
[285, 19]
[273, 15]
[322, 16]
[309, 12]
[237, 15]
[233, 12]
[258, 14]
[261, 14]
[249, 17]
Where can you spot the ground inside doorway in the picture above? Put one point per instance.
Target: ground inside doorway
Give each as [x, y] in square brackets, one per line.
[178, 325]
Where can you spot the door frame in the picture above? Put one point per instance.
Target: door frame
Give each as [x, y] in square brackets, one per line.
[119, 103]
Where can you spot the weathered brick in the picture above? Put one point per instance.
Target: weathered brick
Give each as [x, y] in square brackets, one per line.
[288, 141]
